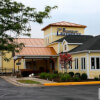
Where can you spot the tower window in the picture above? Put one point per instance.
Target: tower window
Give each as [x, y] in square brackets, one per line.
[65, 47]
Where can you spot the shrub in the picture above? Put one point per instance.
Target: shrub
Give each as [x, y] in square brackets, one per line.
[60, 74]
[96, 78]
[71, 74]
[76, 79]
[68, 77]
[84, 76]
[43, 75]
[54, 75]
[47, 76]
[65, 77]
[77, 75]
[56, 72]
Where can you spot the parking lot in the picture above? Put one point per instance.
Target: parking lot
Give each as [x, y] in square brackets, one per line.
[11, 92]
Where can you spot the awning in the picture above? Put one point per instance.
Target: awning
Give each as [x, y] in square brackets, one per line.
[36, 52]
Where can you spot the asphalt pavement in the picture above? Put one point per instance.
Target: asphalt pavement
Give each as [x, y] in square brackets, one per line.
[11, 92]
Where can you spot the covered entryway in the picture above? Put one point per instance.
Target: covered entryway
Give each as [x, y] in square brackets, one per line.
[36, 59]
[37, 65]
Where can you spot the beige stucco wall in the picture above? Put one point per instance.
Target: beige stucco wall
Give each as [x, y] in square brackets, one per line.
[91, 72]
[73, 64]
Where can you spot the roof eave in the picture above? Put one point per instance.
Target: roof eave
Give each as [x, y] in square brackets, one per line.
[83, 26]
[83, 51]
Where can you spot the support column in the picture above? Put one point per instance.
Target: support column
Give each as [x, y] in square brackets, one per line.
[24, 64]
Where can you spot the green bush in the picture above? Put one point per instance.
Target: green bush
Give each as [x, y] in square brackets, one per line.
[77, 75]
[43, 75]
[56, 72]
[84, 76]
[48, 75]
[65, 77]
[54, 75]
[60, 74]
[96, 78]
[76, 79]
[71, 74]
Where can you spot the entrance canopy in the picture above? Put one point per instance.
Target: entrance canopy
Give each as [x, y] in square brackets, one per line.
[36, 52]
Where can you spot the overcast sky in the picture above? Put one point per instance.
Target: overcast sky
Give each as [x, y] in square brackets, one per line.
[86, 12]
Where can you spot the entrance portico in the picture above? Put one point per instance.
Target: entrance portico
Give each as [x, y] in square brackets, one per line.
[36, 59]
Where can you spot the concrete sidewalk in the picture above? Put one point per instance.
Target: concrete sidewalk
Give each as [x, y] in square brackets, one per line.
[13, 80]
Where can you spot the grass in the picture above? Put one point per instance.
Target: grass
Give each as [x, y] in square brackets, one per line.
[28, 82]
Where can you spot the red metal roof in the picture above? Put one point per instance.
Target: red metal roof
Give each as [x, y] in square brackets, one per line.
[65, 24]
[34, 47]
[34, 42]
[37, 51]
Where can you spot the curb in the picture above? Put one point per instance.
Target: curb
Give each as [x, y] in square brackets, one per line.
[72, 83]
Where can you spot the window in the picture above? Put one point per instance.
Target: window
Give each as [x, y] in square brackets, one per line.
[95, 62]
[92, 63]
[65, 47]
[83, 63]
[76, 63]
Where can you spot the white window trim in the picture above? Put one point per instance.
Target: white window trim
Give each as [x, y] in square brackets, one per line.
[64, 47]
[78, 63]
[95, 63]
[85, 63]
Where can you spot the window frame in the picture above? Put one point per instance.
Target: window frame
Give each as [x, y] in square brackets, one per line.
[95, 62]
[84, 62]
[64, 47]
[76, 63]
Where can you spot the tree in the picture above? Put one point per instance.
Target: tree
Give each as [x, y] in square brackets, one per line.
[15, 18]
[66, 59]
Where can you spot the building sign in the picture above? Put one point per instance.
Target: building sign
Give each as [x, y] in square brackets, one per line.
[19, 63]
[63, 31]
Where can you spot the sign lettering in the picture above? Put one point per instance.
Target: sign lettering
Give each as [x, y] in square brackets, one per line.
[63, 31]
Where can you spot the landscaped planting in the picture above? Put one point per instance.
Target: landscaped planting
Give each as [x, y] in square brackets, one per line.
[71, 73]
[66, 77]
[84, 76]
[96, 78]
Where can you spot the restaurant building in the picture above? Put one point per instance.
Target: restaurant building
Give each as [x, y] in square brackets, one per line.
[42, 55]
